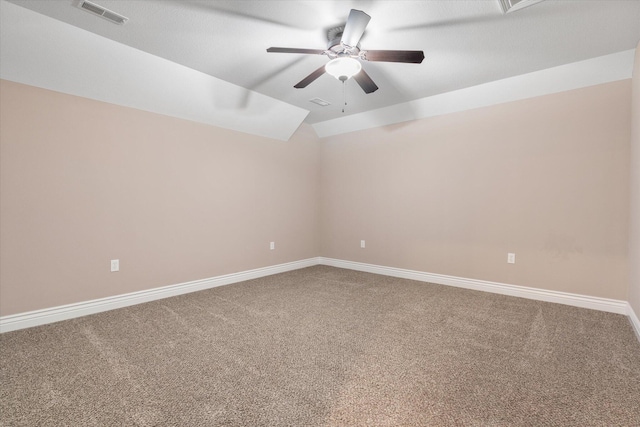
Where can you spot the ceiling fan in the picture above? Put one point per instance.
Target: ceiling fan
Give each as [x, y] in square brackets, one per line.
[344, 51]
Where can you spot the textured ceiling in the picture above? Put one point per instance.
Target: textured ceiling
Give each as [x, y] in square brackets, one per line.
[466, 43]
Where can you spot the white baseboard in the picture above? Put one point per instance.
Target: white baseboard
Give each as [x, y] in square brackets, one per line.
[595, 303]
[635, 322]
[70, 311]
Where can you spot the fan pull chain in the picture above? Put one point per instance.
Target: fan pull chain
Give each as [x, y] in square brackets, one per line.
[344, 94]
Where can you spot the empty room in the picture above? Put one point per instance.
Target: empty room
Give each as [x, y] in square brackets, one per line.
[319, 213]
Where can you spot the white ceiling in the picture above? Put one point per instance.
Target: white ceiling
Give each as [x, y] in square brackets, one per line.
[466, 43]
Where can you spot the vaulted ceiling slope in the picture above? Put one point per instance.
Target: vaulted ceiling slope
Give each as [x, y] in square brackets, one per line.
[207, 60]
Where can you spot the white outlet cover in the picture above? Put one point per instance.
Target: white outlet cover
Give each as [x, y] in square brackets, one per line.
[115, 265]
[511, 258]
[362, 245]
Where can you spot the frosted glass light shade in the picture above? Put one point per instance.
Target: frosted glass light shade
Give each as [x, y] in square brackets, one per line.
[343, 68]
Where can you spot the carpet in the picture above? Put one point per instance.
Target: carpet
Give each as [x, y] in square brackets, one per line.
[323, 346]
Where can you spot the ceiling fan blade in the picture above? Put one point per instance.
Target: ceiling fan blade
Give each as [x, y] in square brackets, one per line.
[295, 50]
[365, 82]
[354, 28]
[412, 56]
[310, 78]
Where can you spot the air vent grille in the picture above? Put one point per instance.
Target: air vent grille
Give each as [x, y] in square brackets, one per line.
[102, 12]
[513, 5]
[320, 102]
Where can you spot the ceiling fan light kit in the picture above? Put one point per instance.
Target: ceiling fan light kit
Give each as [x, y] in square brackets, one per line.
[346, 54]
[343, 68]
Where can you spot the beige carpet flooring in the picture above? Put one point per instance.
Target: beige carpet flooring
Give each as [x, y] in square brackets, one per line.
[324, 346]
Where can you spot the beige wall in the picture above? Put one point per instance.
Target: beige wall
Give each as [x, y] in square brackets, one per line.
[546, 178]
[634, 233]
[84, 182]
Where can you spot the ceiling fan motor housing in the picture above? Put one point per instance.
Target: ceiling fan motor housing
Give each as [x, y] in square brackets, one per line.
[335, 46]
[334, 35]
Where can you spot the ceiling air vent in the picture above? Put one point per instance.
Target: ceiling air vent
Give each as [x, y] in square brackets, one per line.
[513, 5]
[102, 12]
[320, 102]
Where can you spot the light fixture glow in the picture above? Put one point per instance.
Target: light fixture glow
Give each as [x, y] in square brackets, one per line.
[343, 68]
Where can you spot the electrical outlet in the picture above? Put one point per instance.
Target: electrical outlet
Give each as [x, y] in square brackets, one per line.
[272, 245]
[511, 258]
[115, 265]
[362, 243]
